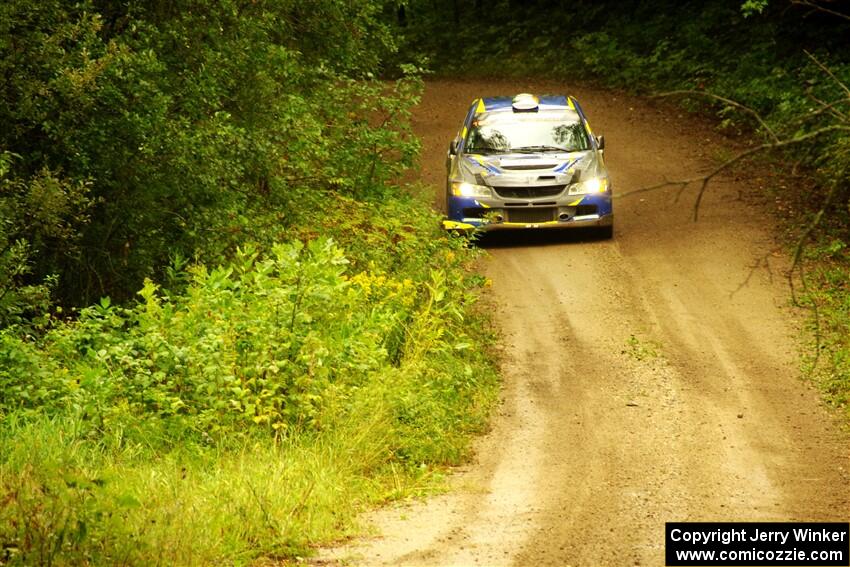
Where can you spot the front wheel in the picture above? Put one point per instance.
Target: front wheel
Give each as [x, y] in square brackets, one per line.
[605, 232]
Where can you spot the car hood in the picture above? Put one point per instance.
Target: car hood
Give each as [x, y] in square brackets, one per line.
[505, 170]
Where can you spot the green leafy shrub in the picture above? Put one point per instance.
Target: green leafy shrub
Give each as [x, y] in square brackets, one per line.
[256, 343]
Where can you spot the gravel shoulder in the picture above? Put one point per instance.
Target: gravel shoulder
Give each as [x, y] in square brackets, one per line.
[648, 378]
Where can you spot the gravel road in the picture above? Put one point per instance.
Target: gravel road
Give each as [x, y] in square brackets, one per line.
[649, 378]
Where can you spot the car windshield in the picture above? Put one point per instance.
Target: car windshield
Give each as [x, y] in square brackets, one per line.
[500, 132]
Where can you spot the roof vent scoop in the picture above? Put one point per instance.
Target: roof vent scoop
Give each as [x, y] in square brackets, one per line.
[525, 103]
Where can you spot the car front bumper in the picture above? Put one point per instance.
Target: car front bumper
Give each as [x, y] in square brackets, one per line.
[575, 211]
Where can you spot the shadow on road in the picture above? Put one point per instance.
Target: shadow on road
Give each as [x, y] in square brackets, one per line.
[531, 237]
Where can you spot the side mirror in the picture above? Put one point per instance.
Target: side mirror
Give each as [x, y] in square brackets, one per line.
[600, 142]
[453, 147]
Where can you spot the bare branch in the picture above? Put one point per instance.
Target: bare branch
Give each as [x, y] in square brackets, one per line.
[797, 266]
[661, 185]
[827, 70]
[728, 101]
[819, 8]
[705, 179]
[797, 257]
[824, 107]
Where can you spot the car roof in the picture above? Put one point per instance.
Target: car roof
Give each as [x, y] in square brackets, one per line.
[560, 115]
[505, 103]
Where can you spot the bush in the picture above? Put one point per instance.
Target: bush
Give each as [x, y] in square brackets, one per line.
[344, 377]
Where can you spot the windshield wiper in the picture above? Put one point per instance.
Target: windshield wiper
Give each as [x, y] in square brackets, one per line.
[531, 149]
[485, 151]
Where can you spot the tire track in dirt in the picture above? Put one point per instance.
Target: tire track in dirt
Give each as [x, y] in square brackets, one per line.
[650, 378]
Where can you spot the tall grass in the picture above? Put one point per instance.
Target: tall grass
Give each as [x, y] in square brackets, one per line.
[68, 501]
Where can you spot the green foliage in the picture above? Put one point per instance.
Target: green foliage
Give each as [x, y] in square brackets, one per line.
[133, 432]
[827, 354]
[258, 343]
[182, 120]
[750, 7]
[41, 213]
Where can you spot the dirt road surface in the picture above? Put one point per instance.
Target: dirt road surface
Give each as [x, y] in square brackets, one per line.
[648, 378]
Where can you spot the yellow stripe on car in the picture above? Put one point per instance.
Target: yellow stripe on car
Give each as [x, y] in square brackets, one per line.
[576, 202]
[454, 225]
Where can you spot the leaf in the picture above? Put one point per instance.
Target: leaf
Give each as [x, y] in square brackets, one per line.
[127, 500]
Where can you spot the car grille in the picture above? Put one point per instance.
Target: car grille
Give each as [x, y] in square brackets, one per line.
[531, 215]
[535, 166]
[529, 192]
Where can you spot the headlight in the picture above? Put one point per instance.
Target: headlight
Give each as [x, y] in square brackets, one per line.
[464, 189]
[592, 185]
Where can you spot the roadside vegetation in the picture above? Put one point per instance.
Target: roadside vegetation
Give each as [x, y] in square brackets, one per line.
[225, 328]
[775, 73]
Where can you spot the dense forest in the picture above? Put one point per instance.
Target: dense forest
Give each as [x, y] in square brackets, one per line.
[214, 282]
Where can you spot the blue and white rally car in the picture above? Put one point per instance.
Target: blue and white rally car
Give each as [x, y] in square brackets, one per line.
[527, 162]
